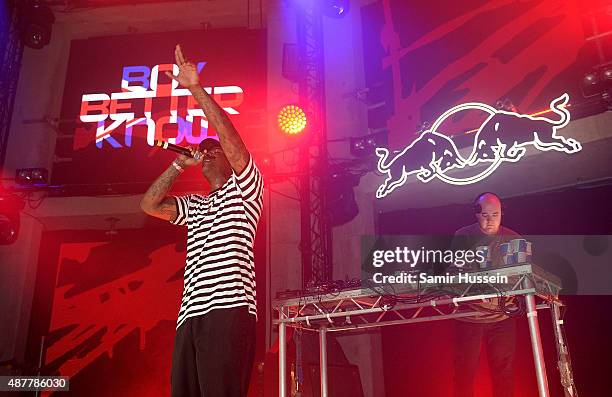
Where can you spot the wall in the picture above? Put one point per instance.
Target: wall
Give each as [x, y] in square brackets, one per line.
[33, 136]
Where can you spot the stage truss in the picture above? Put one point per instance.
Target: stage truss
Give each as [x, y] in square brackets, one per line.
[378, 306]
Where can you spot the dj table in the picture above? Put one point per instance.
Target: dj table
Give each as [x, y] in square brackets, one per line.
[382, 305]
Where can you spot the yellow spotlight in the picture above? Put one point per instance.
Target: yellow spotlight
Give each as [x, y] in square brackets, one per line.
[291, 119]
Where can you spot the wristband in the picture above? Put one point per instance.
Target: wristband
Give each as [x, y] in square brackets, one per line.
[178, 167]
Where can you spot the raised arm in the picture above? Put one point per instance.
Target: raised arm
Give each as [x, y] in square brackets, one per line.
[233, 146]
[155, 201]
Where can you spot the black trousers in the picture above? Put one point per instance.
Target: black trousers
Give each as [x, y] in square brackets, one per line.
[499, 338]
[213, 354]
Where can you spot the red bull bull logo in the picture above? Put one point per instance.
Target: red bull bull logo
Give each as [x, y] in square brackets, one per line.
[503, 137]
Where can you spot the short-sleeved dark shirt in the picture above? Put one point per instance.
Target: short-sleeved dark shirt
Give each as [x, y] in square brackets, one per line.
[470, 237]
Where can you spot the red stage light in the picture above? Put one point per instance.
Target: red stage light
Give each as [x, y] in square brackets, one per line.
[291, 119]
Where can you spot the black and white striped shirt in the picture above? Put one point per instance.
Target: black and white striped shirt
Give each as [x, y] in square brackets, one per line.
[219, 270]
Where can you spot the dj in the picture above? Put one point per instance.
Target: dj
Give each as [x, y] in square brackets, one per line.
[496, 329]
[215, 338]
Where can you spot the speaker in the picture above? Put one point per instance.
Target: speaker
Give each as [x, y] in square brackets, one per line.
[343, 378]
[291, 62]
[342, 381]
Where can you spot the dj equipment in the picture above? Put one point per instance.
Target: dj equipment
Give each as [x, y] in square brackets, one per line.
[377, 305]
[329, 287]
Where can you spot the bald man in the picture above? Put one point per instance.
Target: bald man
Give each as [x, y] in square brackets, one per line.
[497, 330]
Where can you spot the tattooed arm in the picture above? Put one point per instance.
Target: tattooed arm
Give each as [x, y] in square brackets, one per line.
[155, 201]
[231, 142]
[233, 146]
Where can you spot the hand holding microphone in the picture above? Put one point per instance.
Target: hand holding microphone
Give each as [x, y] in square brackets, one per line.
[187, 156]
[187, 160]
[183, 160]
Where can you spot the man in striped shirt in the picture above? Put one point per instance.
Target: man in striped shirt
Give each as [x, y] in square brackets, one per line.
[215, 339]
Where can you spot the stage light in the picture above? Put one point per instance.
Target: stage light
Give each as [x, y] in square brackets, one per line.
[357, 145]
[336, 8]
[364, 146]
[591, 85]
[36, 22]
[9, 218]
[590, 79]
[330, 8]
[32, 177]
[292, 119]
[8, 229]
[341, 204]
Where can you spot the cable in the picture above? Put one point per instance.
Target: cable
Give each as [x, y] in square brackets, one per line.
[38, 202]
[283, 194]
[36, 219]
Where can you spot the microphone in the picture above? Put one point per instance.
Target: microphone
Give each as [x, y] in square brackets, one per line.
[176, 148]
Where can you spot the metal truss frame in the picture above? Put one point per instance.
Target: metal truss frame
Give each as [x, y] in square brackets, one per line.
[366, 308]
[371, 307]
[316, 234]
